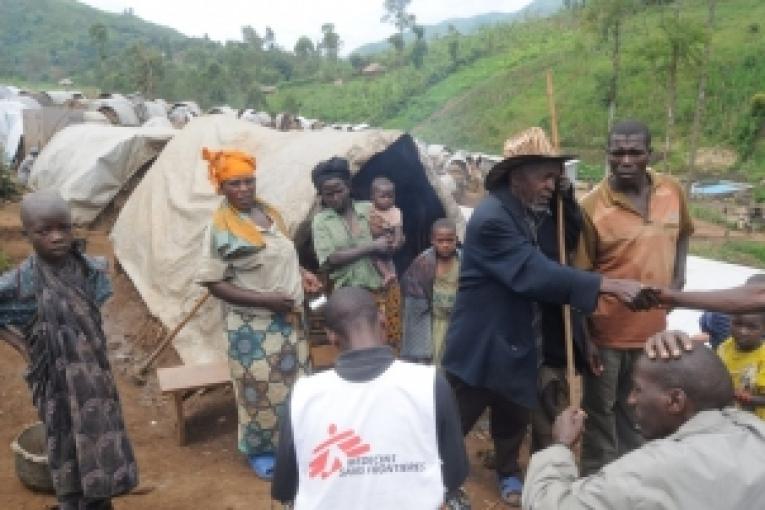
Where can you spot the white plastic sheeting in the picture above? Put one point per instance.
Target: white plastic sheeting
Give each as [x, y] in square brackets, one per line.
[707, 274]
[148, 110]
[260, 118]
[162, 122]
[11, 127]
[89, 163]
[122, 108]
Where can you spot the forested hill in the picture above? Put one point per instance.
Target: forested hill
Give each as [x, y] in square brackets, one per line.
[46, 40]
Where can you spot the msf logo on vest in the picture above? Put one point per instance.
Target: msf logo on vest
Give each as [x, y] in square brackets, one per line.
[332, 455]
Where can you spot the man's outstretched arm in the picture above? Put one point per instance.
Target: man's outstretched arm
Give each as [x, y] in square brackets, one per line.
[745, 299]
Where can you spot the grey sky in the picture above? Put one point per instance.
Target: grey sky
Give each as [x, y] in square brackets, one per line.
[357, 21]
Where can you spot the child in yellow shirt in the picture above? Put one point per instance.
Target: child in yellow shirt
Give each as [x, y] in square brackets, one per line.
[744, 356]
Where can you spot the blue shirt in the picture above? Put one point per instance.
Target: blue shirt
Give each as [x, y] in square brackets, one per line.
[18, 304]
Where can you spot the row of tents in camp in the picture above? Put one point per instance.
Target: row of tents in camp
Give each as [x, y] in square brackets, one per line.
[33, 117]
[29, 120]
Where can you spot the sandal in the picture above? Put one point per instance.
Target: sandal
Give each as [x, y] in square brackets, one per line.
[263, 465]
[510, 489]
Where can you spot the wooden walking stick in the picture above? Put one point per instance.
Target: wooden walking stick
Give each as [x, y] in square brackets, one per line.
[138, 376]
[561, 223]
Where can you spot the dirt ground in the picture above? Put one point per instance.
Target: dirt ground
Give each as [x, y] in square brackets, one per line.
[208, 473]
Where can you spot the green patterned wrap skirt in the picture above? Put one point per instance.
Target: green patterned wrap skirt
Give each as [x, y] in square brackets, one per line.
[267, 353]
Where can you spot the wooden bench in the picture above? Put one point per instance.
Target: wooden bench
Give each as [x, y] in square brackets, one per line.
[185, 378]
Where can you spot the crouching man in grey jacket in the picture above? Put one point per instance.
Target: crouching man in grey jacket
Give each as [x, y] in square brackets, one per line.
[702, 452]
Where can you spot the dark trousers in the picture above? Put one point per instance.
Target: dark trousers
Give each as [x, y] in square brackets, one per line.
[508, 422]
[77, 502]
[611, 430]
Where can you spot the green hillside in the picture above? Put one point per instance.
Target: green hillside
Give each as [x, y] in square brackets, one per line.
[513, 94]
[498, 86]
[46, 40]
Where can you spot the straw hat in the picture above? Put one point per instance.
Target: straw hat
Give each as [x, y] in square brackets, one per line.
[527, 146]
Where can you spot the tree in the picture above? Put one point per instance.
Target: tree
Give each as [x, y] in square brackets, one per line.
[269, 40]
[330, 42]
[606, 17]
[677, 44]
[698, 113]
[255, 98]
[304, 47]
[420, 47]
[454, 44]
[683, 39]
[291, 104]
[147, 68]
[99, 34]
[281, 62]
[250, 37]
[357, 62]
[395, 13]
[397, 41]
[215, 79]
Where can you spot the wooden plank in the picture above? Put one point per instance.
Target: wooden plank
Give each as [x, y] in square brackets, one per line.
[191, 377]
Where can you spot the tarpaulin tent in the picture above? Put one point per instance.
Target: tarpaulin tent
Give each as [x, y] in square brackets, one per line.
[120, 112]
[158, 234]
[60, 97]
[8, 91]
[29, 102]
[42, 124]
[11, 127]
[88, 164]
[147, 110]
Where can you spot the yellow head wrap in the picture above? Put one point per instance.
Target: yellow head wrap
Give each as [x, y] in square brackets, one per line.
[226, 164]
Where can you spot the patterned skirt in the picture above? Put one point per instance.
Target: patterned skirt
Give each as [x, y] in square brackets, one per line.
[267, 353]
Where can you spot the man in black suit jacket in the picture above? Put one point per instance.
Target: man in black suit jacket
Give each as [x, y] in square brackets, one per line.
[492, 346]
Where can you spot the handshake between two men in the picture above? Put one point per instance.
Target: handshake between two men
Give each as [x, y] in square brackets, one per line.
[747, 298]
[635, 295]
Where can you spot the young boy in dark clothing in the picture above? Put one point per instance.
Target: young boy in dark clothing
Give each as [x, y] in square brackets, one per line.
[54, 295]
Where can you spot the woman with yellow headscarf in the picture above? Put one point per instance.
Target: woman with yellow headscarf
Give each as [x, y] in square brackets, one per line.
[251, 265]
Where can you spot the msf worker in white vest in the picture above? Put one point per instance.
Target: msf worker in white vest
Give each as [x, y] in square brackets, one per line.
[372, 433]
